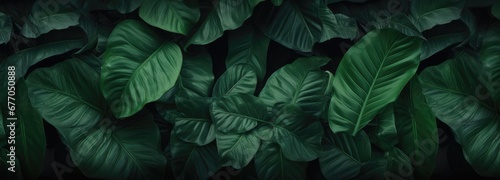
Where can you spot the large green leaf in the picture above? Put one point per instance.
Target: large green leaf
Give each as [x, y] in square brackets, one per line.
[30, 134]
[371, 75]
[489, 56]
[67, 96]
[300, 24]
[49, 15]
[270, 163]
[238, 114]
[225, 15]
[248, 46]
[138, 67]
[122, 6]
[298, 136]
[429, 13]
[176, 16]
[190, 161]
[122, 151]
[300, 83]
[238, 79]
[417, 129]
[194, 125]
[384, 134]
[237, 150]
[451, 90]
[196, 77]
[5, 28]
[344, 154]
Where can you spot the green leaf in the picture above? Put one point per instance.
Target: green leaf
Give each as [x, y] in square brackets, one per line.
[3, 135]
[489, 57]
[128, 150]
[495, 9]
[190, 161]
[138, 67]
[336, 25]
[5, 28]
[30, 135]
[344, 154]
[442, 37]
[238, 114]
[177, 16]
[451, 90]
[194, 124]
[384, 133]
[248, 46]
[226, 15]
[417, 129]
[122, 6]
[271, 164]
[375, 168]
[237, 150]
[277, 2]
[67, 96]
[299, 137]
[238, 79]
[300, 83]
[400, 22]
[44, 19]
[399, 164]
[196, 77]
[428, 13]
[371, 75]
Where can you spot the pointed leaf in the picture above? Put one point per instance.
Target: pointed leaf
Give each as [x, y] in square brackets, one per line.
[182, 15]
[373, 71]
[238, 79]
[138, 67]
[271, 164]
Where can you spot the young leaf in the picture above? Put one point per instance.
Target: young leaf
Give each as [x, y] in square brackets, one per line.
[238, 79]
[226, 15]
[138, 67]
[237, 150]
[374, 71]
[417, 129]
[271, 164]
[238, 114]
[5, 28]
[300, 83]
[248, 45]
[44, 19]
[429, 13]
[344, 154]
[190, 161]
[451, 90]
[177, 16]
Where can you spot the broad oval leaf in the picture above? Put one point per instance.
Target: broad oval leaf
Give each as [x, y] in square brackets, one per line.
[67, 96]
[271, 164]
[49, 15]
[417, 129]
[371, 75]
[451, 90]
[300, 83]
[128, 150]
[5, 28]
[344, 155]
[238, 79]
[177, 16]
[429, 13]
[238, 113]
[237, 150]
[138, 67]
[190, 161]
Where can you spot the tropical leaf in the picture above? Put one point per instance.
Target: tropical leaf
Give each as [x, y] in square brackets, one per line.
[371, 75]
[238, 79]
[196, 77]
[30, 134]
[300, 83]
[238, 114]
[193, 162]
[271, 164]
[43, 19]
[248, 46]
[384, 134]
[427, 13]
[417, 129]
[226, 15]
[444, 36]
[489, 55]
[194, 125]
[398, 165]
[375, 168]
[237, 150]
[400, 22]
[182, 15]
[5, 28]
[336, 25]
[138, 67]
[451, 92]
[122, 6]
[344, 155]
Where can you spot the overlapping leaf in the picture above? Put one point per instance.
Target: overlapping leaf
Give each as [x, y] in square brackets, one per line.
[428, 13]
[49, 15]
[5, 28]
[238, 79]
[270, 163]
[176, 16]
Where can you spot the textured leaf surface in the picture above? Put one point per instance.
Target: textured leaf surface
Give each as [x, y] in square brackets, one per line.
[429, 13]
[336, 25]
[371, 75]
[48, 16]
[194, 125]
[193, 162]
[238, 114]
[237, 150]
[238, 79]
[489, 57]
[177, 16]
[138, 67]
[196, 77]
[270, 163]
